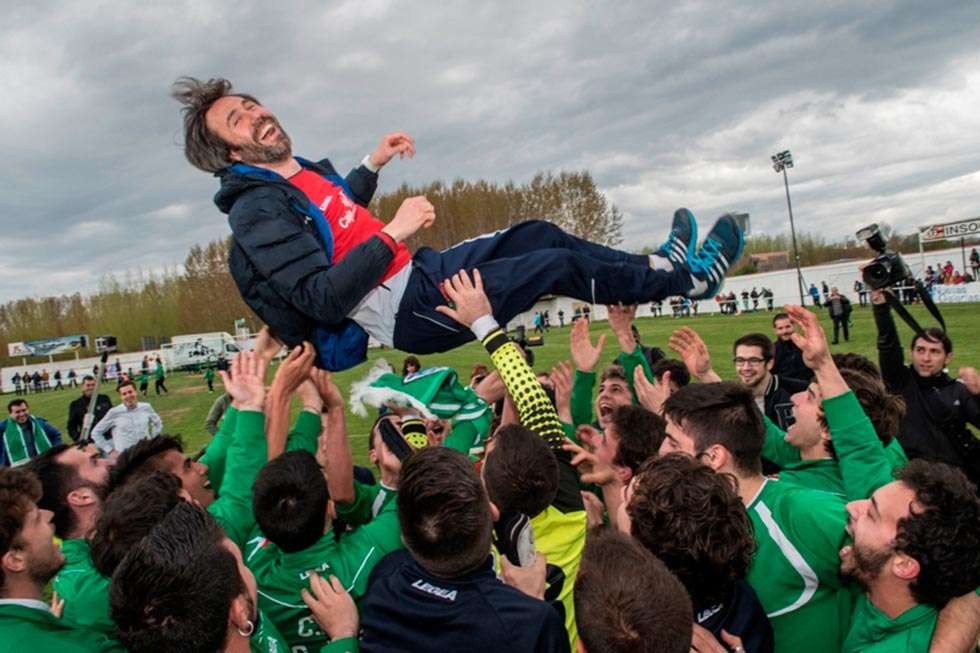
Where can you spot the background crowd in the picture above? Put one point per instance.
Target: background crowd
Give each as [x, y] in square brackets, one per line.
[819, 503]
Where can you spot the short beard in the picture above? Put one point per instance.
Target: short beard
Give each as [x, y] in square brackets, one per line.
[42, 573]
[256, 152]
[865, 567]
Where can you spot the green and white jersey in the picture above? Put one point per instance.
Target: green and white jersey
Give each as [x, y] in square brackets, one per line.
[280, 576]
[266, 639]
[368, 502]
[84, 590]
[872, 631]
[799, 533]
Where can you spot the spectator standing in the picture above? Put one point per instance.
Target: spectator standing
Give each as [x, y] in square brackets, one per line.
[939, 407]
[72, 379]
[209, 377]
[561, 315]
[78, 408]
[144, 379]
[826, 291]
[788, 357]
[57, 380]
[130, 421]
[745, 300]
[768, 294]
[16, 382]
[975, 263]
[840, 313]
[755, 299]
[815, 295]
[160, 376]
[25, 436]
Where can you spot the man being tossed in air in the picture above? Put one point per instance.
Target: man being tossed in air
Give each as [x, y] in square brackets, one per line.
[315, 265]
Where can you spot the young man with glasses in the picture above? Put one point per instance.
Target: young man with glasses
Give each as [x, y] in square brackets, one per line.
[753, 358]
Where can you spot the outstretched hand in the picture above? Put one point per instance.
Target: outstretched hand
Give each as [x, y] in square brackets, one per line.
[294, 369]
[692, 350]
[620, 319]
[245, 379]
[811, 339]
[398, 143]
[468, 301]
[651, 395]
[591, 469]
[584, 356]
[329, 392]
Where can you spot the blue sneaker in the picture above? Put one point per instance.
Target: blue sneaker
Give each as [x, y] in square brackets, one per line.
[718, 253]
[683, 239]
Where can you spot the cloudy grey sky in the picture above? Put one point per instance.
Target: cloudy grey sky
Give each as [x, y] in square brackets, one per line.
[667, 103]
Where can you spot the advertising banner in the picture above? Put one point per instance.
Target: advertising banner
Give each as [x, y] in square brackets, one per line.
[47, 346]
[950, 230]
[961, 292]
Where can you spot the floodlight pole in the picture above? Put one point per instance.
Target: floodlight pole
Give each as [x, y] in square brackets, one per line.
[782, 161]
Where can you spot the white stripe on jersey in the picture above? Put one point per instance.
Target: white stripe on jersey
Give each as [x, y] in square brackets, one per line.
[810, 580]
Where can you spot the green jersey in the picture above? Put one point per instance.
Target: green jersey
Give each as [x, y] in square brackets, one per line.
[368, 502]
[872, 631]
[799, 533]
[266, 638]
[28, 625]
[862, 464]
[281, 576]
[246, 456]
[584, 382]
[84, 590]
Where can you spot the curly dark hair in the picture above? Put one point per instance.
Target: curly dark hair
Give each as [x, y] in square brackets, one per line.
[942, 532]
[640, 434]
[693, 519]
[18, 490]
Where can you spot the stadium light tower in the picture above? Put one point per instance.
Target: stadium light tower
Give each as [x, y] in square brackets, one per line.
[780, 162]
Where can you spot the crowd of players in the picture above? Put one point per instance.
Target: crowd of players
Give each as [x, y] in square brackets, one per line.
[821, 503]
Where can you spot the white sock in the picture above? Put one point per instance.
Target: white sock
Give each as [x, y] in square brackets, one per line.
[658, 262]
[698, 288]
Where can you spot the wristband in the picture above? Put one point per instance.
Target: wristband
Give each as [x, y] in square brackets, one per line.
[483, 325]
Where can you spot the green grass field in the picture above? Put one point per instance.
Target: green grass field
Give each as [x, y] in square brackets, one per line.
[185, 408]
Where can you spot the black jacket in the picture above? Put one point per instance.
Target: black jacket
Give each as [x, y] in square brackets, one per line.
[740, 614]
[778, 399]
[938, 408]
[76, 414]
[282, 262]
[409, 609]
[789, 361]
[845, 307]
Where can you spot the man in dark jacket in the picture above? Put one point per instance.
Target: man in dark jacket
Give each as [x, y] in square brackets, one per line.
[314, 264]
[78, 408]
[443, 594]
[839, 308]
[788, 359]
[938, 406]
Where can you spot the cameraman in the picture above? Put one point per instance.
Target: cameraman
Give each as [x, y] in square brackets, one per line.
[939, 407]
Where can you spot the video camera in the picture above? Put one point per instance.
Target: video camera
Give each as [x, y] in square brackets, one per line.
[887, 268]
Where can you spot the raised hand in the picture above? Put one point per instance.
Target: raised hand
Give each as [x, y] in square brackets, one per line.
[591, 469]
[267, 345]
[328, 390]
[398, 143]
[584, 356]
[310, 396]
[561, 381]
[811, 339]
[651, 395]
[692, 350]
[294, 369]
[245, 380]
[332, 607]
[467, 296]
[620, 321]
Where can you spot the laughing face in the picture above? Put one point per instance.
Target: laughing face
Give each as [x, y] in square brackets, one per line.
[193, 476]
[613, 392]
[253, 134]
[750, 365]
[873, 525]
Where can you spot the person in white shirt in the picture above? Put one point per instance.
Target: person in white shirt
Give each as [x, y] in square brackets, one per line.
[130, 421]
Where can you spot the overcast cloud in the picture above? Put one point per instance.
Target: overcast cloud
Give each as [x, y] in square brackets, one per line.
[668, 104]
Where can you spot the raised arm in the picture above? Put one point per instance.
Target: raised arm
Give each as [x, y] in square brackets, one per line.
[337, 458]
[891, 359]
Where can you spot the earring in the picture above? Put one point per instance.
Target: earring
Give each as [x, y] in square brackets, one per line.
[248, 630]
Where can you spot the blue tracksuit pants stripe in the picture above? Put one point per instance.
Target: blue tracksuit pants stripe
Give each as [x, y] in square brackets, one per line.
[519, 265]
